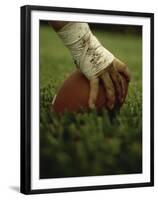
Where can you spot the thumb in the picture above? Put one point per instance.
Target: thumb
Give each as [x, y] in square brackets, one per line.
[94, 89]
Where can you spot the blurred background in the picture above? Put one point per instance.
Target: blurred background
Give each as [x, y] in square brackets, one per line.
[90, 144]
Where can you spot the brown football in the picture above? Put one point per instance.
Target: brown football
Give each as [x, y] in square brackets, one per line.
[74, 93]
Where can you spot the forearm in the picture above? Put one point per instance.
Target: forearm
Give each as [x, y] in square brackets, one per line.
[57, 25]
[88, 53]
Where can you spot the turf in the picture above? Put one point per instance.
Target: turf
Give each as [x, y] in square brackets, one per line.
[92, 143]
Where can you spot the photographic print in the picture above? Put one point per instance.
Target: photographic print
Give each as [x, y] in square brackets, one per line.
[86, 99]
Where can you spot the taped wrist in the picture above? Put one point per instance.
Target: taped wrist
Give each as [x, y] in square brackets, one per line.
[88, 53]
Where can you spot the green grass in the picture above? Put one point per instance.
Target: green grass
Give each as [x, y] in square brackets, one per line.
[89, 143]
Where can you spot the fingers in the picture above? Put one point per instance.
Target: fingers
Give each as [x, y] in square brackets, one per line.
[123, 84]
[94, 89]
[125, 88]
[110, 91]
[118, 84]
[115, 79]
[122, 68]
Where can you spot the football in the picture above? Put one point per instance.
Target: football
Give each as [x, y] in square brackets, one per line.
[74, 93]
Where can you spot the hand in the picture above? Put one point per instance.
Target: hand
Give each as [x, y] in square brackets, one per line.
[115, 79]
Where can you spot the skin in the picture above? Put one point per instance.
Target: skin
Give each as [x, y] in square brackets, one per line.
[114, 84]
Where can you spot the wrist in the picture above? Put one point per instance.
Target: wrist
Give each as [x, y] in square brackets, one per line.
[88, 53]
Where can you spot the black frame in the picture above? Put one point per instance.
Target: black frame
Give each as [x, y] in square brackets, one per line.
[25, 180]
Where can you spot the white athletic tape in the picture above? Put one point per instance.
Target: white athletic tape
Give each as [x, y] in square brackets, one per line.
[88, 53]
